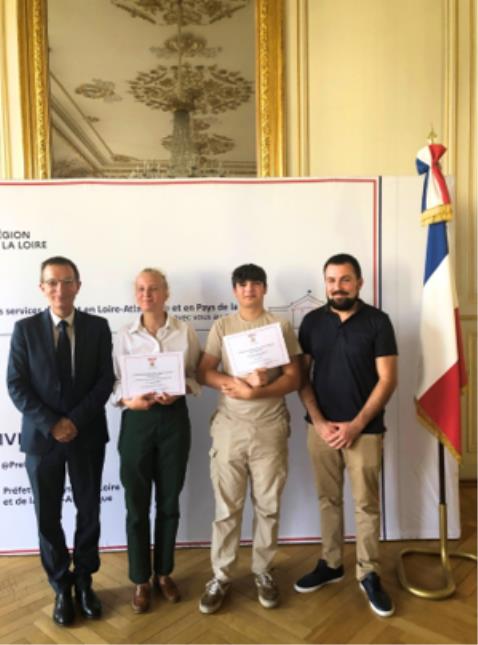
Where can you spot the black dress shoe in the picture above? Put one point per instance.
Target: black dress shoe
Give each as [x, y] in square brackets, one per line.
[88, 601]
[63, 611]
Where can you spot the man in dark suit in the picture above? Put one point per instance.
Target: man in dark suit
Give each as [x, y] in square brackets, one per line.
[60, 376]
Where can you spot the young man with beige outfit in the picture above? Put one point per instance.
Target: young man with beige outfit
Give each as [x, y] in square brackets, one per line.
[249, 432]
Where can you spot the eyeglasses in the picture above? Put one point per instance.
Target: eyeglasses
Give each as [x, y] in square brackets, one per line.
[53, 283]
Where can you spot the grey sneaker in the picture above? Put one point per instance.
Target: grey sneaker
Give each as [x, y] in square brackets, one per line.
[213, 595]
[267, 590]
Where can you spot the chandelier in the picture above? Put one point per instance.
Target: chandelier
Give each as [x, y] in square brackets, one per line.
[189, 92]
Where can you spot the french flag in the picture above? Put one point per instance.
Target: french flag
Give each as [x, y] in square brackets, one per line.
[442, 371]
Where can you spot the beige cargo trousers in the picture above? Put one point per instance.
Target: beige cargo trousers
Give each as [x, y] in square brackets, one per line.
[245, 452]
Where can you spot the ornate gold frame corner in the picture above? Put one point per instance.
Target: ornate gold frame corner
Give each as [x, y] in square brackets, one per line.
[33, 50]
[33, 47]
[270, 88]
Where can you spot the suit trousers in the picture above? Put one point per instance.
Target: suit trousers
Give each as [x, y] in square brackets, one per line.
[47, 478]
[363, 462]
[244, 452]
[154, 447]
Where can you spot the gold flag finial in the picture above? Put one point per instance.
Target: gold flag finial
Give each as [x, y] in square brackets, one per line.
[432, 135]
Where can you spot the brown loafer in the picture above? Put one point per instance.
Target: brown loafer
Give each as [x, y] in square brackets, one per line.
[168, 588]
[141, 598]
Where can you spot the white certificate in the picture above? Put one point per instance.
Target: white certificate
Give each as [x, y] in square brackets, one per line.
[143, 373]
[263, 347]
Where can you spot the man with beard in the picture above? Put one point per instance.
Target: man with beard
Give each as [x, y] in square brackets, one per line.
[350, 350]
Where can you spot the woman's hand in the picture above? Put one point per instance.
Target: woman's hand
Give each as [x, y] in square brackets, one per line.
[140, 402]
[163, 398]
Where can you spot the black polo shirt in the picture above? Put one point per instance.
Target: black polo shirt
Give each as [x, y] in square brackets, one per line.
[344, 353]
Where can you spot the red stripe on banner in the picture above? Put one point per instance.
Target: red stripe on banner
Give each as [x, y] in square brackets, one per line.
[441, 407]
[241, 181]
[179, 182]
[309, 539]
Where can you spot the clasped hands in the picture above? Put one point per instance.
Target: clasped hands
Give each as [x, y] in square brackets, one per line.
[245, 388]
[64, 430]
[147, 400]
[338, 434]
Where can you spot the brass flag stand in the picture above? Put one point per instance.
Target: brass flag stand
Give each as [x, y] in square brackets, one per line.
[449, 587]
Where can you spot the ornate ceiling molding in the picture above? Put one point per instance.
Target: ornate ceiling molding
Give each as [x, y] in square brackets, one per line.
[199, 88]
[76, 128]
[188, 12]
[185, 44]
[99, 89]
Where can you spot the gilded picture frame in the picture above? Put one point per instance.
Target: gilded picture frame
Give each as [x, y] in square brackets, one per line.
[33, 41]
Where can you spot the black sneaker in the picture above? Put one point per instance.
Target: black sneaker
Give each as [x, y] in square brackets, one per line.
[320, 576]
[378, 599]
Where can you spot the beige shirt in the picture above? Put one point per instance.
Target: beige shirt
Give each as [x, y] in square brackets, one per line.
[263, 410]
[174, 336]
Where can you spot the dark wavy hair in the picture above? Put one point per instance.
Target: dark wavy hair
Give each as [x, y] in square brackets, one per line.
[249, 272]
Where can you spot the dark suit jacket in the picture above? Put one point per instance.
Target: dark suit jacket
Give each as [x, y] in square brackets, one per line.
[34, 385]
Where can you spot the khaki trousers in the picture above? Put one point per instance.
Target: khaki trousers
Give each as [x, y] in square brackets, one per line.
[363, 462]
[243, 452]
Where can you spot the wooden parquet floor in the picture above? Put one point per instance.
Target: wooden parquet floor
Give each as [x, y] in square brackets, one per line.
[335, 614]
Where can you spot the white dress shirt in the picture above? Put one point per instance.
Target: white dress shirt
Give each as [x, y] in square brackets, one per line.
[174, 336]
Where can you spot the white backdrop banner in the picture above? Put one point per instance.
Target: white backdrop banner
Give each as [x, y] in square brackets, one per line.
[198, 232]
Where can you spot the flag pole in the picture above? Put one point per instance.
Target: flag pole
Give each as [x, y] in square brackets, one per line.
[449, 585]
[438, 395]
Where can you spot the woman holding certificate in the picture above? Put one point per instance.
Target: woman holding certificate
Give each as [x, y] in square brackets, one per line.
[155, 360]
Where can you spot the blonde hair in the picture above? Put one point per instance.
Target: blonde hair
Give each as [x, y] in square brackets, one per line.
[158, 274]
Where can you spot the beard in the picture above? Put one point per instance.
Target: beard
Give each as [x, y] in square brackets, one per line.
[343, 304]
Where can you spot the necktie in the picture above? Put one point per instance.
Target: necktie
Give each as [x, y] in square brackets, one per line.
[63, 355]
